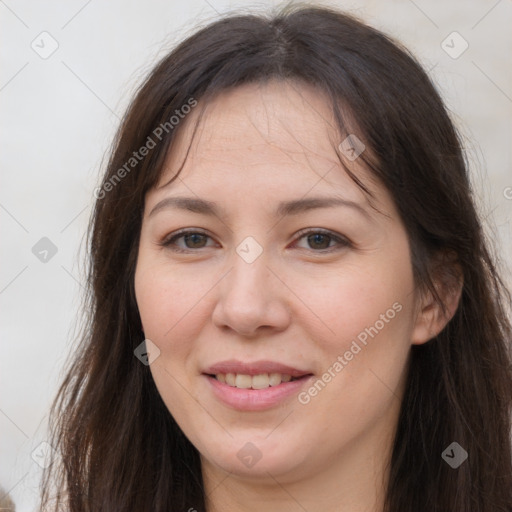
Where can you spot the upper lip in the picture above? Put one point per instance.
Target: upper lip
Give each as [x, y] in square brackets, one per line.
[254, 368]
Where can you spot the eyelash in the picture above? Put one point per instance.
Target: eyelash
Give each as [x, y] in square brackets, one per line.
[169, 241]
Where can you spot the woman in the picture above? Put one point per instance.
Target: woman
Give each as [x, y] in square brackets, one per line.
[287, 221]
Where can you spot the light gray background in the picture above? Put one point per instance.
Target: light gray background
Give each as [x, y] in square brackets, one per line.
[58, 117]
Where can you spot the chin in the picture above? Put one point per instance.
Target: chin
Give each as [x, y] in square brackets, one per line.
[258, 458]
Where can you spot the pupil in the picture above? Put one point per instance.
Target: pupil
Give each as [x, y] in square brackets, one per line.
[195, 238]
[318, 237]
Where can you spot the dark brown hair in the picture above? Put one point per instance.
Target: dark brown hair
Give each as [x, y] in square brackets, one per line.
[120, 448]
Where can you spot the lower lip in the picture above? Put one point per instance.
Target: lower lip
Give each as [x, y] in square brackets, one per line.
[255, 399]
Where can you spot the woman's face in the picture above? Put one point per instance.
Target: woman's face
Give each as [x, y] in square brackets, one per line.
[290, 273]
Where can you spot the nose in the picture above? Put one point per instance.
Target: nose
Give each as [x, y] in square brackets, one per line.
[252, 300]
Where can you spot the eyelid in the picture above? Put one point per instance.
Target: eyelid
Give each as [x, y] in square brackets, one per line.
[183, 231]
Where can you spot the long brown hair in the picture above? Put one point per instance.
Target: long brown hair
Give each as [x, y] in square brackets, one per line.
[120, 448]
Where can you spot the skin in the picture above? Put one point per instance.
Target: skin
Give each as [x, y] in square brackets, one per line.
[296, 303]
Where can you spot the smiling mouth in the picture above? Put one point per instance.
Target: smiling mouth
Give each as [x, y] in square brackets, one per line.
[261, 381]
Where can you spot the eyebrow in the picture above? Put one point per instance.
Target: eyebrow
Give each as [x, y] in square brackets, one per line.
[284, 208]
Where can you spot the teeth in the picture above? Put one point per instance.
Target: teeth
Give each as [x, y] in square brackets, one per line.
[261, 381]
[243, 381]
[275, 379]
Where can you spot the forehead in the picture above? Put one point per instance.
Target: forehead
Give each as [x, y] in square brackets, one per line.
[273, 137]
[293, 116]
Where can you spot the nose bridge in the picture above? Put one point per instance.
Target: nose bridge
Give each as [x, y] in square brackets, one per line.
[248, 281]
[250, 296]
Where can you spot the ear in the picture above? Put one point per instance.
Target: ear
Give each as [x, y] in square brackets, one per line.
[431, 316]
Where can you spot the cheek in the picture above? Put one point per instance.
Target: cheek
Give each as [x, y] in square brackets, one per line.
[364, 337]
[169, 301]
[349, 302]
[170, 304]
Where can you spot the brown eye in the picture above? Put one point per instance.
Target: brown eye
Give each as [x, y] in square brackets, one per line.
[319, 241]
[194, 240]
[191, 240]
[323, 241]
